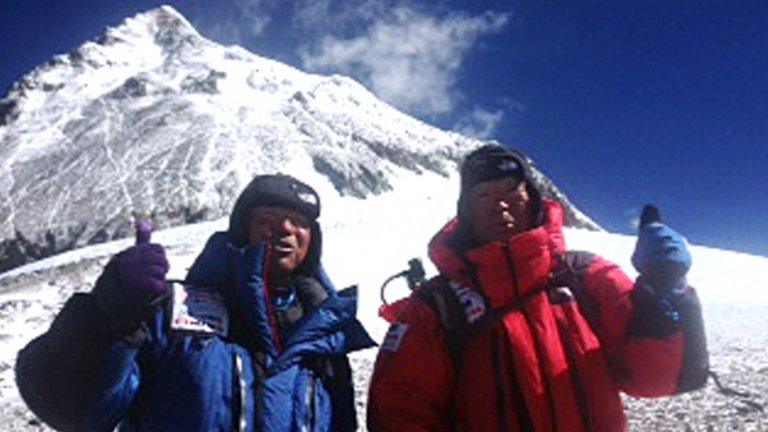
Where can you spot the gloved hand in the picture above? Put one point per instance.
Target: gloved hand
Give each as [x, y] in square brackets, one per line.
[250, 291]
[142, 268]
[216, 263]
[134, 278]
[661, 255]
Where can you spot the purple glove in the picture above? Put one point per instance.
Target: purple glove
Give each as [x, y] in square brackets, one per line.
[131, 283]
[141, 269]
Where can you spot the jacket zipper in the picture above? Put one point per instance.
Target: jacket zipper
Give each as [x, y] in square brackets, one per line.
[310, 405]
[271, 316]
[536, 342]
[243, 420]
[501, 402]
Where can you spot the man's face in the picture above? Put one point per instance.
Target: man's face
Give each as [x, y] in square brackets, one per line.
[287, 235]
[499, 209]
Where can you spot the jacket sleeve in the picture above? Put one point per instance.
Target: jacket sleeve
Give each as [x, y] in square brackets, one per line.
[655, 345]
[413, 378]
[76, 365]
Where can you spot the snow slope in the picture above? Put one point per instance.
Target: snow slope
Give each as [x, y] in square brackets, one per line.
[368, 240]
[154, 120]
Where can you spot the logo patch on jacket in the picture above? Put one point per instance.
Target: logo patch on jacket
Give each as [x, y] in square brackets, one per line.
[471, 301]
[394, 337]
[199, 310]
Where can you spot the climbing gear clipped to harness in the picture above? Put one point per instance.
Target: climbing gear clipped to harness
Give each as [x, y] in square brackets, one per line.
[414, 276]
[745, 397]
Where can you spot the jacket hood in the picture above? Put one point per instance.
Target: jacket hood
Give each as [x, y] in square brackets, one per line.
[492, 162]
[452, 259]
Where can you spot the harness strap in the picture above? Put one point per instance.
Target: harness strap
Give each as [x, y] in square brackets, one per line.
[446, 305]
[450, 312]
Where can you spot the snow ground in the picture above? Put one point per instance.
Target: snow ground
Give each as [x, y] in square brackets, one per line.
[367, 240]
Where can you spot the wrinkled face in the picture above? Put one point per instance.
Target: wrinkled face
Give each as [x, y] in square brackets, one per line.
[499, 209]
[287, 235]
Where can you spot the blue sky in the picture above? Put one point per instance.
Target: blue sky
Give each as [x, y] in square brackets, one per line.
[621, 103]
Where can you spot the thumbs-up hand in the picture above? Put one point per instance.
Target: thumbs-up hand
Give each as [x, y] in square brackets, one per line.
[661, 255]
[141, 268]
[143, 231]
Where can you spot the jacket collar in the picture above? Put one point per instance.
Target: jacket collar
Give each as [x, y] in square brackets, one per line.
[318, 330]
[330, 329]
[502, 270]
[244, 288]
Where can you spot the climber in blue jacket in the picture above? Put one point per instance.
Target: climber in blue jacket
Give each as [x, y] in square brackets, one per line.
[255, 339]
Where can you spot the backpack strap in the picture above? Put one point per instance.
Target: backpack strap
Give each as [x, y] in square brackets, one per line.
[456, 306]
[566, 274]
[463, 312]
[448, 308]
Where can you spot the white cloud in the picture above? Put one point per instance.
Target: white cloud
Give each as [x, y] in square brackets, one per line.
[325, 15]
[409, 58]
[225, 33]
[480, 123]
[237, 22]
[312, 13]
[256, 14]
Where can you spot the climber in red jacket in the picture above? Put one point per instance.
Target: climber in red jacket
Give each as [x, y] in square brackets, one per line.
[520, 334]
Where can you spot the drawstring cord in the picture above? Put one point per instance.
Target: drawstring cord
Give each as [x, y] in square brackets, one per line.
[745, 396]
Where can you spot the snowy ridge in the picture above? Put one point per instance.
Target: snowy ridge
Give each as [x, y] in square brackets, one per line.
[154, 120]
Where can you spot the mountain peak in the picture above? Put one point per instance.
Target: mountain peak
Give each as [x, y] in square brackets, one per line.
[163, 26]
[153, 120]
[166, 12]
[168, 27]
[141, 42]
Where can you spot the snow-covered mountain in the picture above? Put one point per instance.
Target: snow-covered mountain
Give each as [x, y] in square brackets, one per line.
[154, 120]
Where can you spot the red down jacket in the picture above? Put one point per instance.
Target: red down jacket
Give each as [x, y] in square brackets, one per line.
[545, 366]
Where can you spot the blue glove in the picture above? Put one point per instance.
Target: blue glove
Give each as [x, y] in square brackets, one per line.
[250, 292]
[238, 271]
[661, 255]
[215, 264]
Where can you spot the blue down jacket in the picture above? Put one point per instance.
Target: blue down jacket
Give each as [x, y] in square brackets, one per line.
[84, 374]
